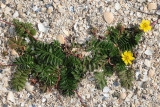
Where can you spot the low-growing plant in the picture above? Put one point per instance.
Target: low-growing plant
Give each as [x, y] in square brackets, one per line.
[53, 64]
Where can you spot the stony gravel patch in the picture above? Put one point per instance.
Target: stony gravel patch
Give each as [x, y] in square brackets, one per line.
[56, 19]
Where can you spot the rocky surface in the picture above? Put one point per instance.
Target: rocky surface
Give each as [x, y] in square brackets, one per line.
[56, 19]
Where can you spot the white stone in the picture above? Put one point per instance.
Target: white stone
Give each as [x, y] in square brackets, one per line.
[158, 40]
[108, 17]
[147, 63]
[16, 14]
[80, 40]
[106, 89]
[60, 38]
[75, 26]
[117, 6]
[7, 10]
[139, 14]
[106, 95]
[29, 87]
[152, 6]
[158, 12]
[35, 8]
[66, 32]
[61, 9]
[88, 96]
[137, 74]
[10, 97]
[5, 81]
[41, 27]
[43, 100]
[151, 72]
[148, 52]
[145, 78]
[149, 0]
[50, 10]
[55, 1]
[22, 104]
[14, 53]
[43, 9]
[158, 96]
[123, 95]
[145, 8]
[3, 6]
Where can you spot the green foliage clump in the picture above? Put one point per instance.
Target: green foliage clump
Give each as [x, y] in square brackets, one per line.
[126, 77]
[106, 53]
[19, 79]
[19, 44]
[46, 61]
[21, 28]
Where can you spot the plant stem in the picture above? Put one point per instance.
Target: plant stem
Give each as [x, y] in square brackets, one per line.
[80, 98]
[21, 27]
[6, 65]
[155, 22]
[58, 79]
[110, 62]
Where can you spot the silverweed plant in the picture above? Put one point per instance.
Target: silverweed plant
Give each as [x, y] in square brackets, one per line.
[55, 65]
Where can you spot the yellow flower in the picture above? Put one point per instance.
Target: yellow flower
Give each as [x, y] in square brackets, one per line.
[127, 57]
[145, 25]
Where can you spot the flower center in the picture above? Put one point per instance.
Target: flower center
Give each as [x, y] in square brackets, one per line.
[127, 57]
[145, 25]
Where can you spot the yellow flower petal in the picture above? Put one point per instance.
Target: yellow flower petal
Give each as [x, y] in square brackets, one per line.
[148, 22]
[131, 58]
[125, 53]
[122, 55]
[149, 28]
[123, 59]
[130, 53]
[145, 30]
[126, 62]
[141, 28]
[141, 25]
[130, 62]
[143, 21]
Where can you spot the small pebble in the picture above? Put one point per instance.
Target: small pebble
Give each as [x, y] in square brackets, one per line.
[158, 96]
[10, 97]
[60, 38]
[117, 6]
[148, 52]
[123, 95]
[152, 6]
[2, 5]
[108, 17]
[14, 53]
[16, 14]
[29, 87]
[66, 32]
[151, 72]
[106, 89]
[43, 100]
[50, 10]
[147, 63]
[41, 27]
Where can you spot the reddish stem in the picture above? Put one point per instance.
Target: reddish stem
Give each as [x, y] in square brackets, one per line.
[155, 22]
[80, 98]
[8, 65]
[58, 79]
[65, 44]
[21, 27]
[110, 62]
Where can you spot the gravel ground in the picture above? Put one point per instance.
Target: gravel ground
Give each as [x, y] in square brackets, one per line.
[55, 19]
